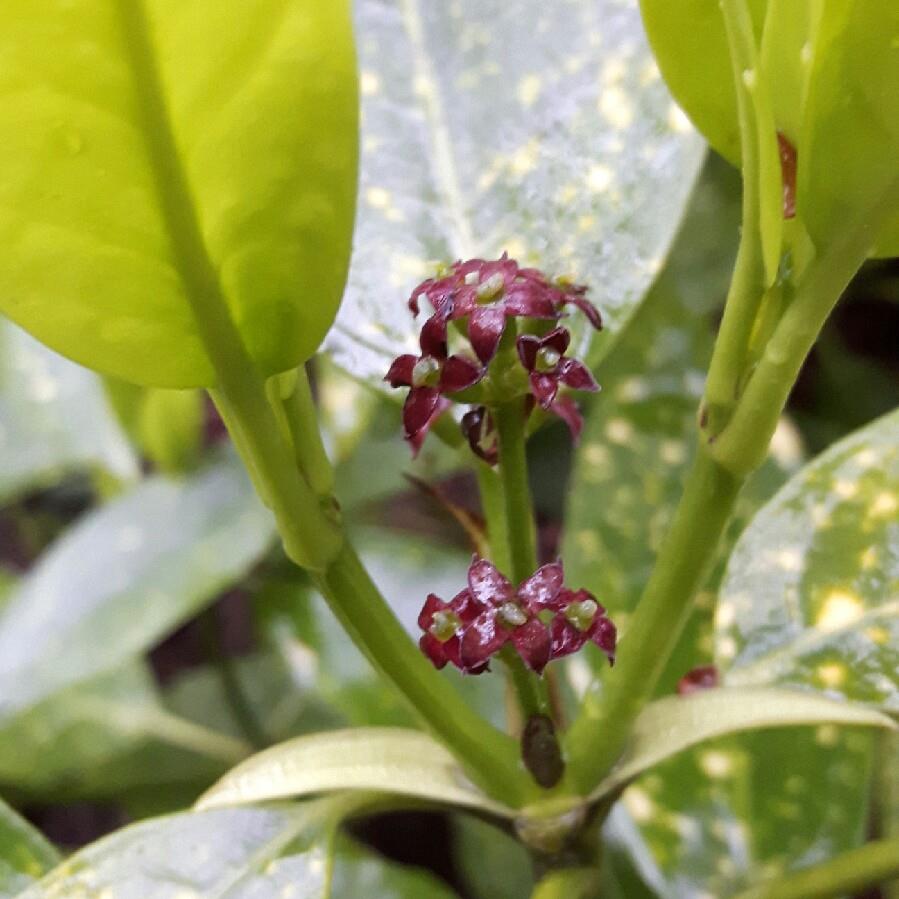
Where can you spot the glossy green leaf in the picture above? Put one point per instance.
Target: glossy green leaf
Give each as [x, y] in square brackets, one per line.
[53, 418]
[715, 820]
[640, 432]
[828, 70]
[24, 853]
[491, 862]
[162, 155]
[377, 759]
[276, 852]
[810, 591]
[674, 723]
[123, 576]
[499, 125]
[850, 131]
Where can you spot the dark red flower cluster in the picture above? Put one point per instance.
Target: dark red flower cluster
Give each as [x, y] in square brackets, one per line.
[541, 619]
[481, 295]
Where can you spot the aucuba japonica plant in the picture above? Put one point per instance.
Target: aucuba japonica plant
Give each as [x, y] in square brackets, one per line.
[652, 653]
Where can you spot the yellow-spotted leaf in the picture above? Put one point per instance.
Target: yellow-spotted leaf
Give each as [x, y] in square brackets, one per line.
[811, 593]
[162, 158]
[492, 125]
[24, 853]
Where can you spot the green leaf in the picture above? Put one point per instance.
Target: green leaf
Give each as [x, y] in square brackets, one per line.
[491, 863]
[739, 809]
[674, 723]
[230, 853]
[110, 735]
[171, 429]
[640, 432]
[53, 419]
[160, 158]
[378, 759]
[810, 591]
[24, 853]
[123, 576]
[491, 126]
[828, 70]
[850, 133]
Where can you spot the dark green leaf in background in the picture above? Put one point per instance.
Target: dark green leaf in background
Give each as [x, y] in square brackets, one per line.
[491, 125]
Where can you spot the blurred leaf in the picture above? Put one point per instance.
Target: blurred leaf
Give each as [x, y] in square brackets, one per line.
[641, 432]
[491, 126]
[24, 853]
[492, 864]
[235, 854]
[109, 735]
[670, 725]
[713, 821]
[123, 576]
[163, 157]
[171, 429]
[53, 418]
[810, 591]
[376, 759]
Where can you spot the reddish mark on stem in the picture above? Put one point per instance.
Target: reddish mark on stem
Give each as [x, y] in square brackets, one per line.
[788, 173]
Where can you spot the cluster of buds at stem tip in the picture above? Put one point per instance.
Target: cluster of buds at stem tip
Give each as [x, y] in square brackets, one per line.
[497, 360]
[540, 618]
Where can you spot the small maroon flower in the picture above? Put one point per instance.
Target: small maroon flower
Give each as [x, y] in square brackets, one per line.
[443, 624]
[510, 614]
[488, 292]
[705, 677]
[549, 367]
[430, 375]
[580, 618]
[477, 426]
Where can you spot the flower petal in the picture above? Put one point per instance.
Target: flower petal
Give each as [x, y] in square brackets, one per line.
[529, 301]
[432, 604]
[485, 328]
[542, 587]
[528, 346]
[566, 638]
[417, 439]
[459, 373]
[433, 337]
[400, 373]
[557, 339]
[604, 634]
[544, 387]
[418, 409]
[482, 638]
[477, 427]
[592, 313]
[533, 643]
[576, 375]
[705, 677]
[434, 650]
[487, 584]
[464, 605]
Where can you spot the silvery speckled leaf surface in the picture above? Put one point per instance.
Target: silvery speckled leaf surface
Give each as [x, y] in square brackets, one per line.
[53, 418]
[811, 594]
[513, 125]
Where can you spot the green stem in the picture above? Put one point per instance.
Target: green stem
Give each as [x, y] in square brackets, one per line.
[598, 736]
[518, 525]
[493, 505]
[489, 757]
[743, 444]
[510, 423]
[874, 864]
[569, 883]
